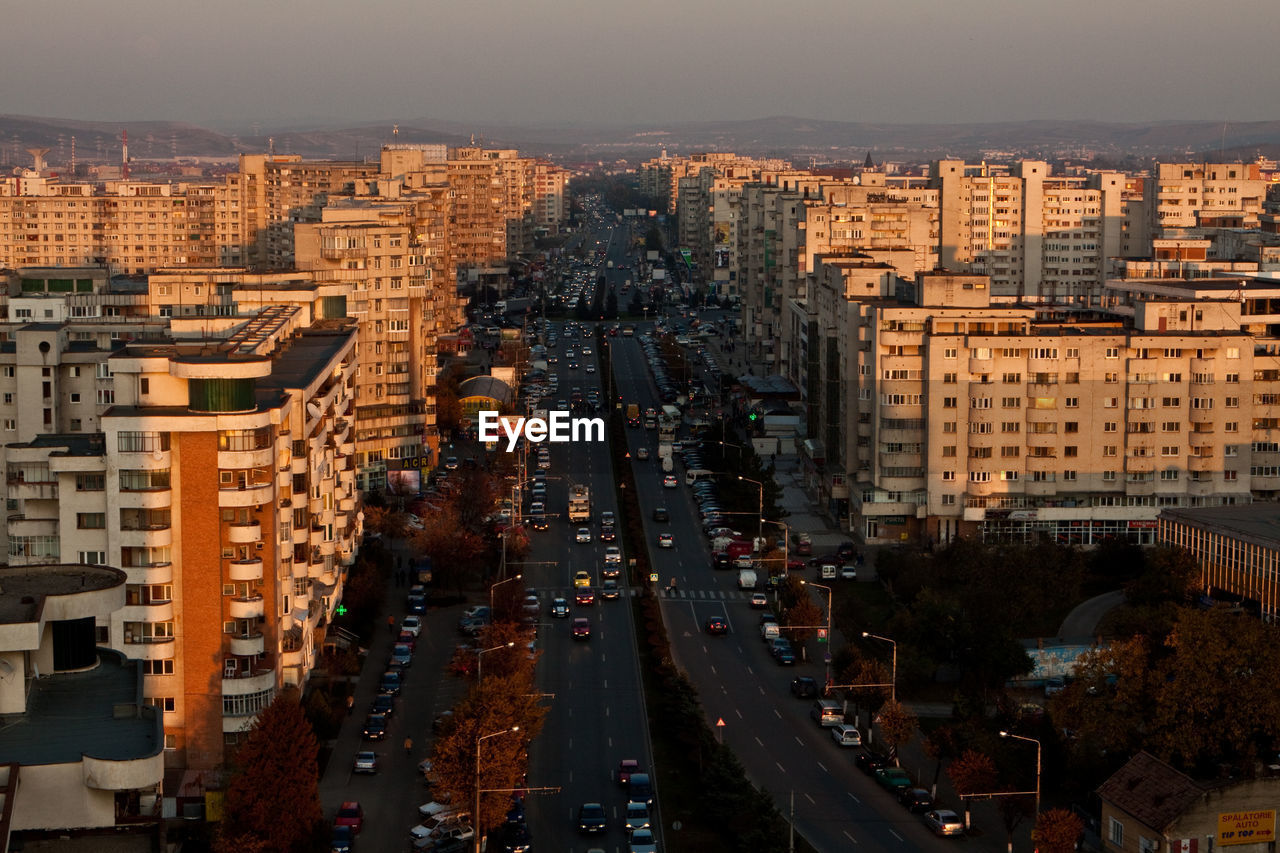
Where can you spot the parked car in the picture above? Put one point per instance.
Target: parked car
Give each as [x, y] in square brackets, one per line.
[350, 814]
[846, 735]
[869, 762]
[342, 839]
[893, 779]
[642, 842]
[916, 800]
[944, 822]
[804, 687]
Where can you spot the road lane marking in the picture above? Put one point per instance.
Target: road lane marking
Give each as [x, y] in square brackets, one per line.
[799, 741]
[739, 713]
[896, 835]
[778, 764]
[777, 714]
[848, 836]
[811, 800]
[855, 799]
[824, 769]
[762, 693]
[759, 741]
[604, 683]
[713, 671]
[750, 671]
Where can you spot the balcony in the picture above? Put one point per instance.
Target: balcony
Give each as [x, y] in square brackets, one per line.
[1202, 416]
[1202, 463]
[157, 611]
[160, 536]
[155, 648]
[21, 526]
[246, 644]
[244, 533]
[40, 491]
[252, 495]
[145, 499]
[153, 573]
[246, 682]
[245, 570]
[264, 457]
[298, 569]
[247, 608]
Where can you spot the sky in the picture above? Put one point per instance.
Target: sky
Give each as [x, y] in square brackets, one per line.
[232, 63]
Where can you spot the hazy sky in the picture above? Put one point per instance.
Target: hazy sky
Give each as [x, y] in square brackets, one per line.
[232, 62]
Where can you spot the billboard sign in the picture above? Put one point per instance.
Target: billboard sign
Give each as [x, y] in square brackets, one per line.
[1253, 827]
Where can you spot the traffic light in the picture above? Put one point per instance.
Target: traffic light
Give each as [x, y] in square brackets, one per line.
[752, 417]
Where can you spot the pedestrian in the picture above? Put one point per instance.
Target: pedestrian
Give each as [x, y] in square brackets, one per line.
[408, 746]
[391, 625]
[351, 703]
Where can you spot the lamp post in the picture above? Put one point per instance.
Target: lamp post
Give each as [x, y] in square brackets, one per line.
[1037, 743]
[893, 673]
[827, 656]
[476, 816]
[498, 584]
[480, 659]
[760, 486]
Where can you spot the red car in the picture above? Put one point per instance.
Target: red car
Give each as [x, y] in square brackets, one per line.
[626, 767]
[585, 597]
[582, 628]
[408, 639]
[350, 814]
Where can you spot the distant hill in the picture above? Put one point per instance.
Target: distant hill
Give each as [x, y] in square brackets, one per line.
[780, 135]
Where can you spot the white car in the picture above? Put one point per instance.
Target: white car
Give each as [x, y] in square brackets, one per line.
[612, 555]
[670, 482]
[665, 540]
[412, 624]
[583, 534]
[846, 735]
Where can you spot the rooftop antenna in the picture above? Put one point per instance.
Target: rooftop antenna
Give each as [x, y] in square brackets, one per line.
[37, 155]
[73, 156]
[271, 145]
[124, 155]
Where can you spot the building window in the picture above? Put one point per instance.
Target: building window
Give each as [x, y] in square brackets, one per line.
[93, 558]
[1115, 832]
[91, 520]
[948, 476]
[91, 482]
[165, 703]
[248, 704]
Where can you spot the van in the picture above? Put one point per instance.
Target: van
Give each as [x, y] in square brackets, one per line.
[693, 475]
[769, 631]
[827, 571]
[827, 713]
[747, 579]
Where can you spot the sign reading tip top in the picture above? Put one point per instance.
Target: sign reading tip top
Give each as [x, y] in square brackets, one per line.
[558, 427]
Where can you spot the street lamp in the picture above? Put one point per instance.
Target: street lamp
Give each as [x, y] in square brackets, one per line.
[476, 816]
[827, 656]
[893, 673]
[480, 659]
[1037, 743]
[760, 486]
[495, 586]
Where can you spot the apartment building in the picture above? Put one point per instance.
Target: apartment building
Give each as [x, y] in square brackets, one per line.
[1189, 196]
[295, 191]
[962, 416]
[221, 606]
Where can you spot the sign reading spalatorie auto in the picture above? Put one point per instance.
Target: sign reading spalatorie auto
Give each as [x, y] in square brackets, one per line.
[1258, 827]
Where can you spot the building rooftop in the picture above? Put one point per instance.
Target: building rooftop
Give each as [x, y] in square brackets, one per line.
[97, 712]
[69, 444]
[1258, 523]
[23, 589]
[305, 356]
[1151, 791]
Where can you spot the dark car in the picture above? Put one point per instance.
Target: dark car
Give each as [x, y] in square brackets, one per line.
[417, 604]
[384, 705]
[640, 788]
[804, 687]
[845, 550]
[584, 597]
[401, 655]
[375, 727]
[916, 800]
[511, 838]
[717, 625]
[390, 684]
[660, 514]
[343, 840]
[626, 767]
[592, 819]
[869, 762]
[581, 629]
[608, 534]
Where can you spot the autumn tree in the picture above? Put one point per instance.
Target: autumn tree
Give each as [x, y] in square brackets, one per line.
[457, 554]
[259, 812]
[871, 673]
[1056, 831]
[972, 773]
[897, 725]
[804, 614]
[940, 745]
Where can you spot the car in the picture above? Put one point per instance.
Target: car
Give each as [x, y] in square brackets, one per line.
[635, 817]
[406, 638]
[375, 727]
[640, 788]
[943, 822]
[451, 834]
[581, 579]
[435, 809]
[670, 482]
[590, 368]
[584, 597]
[717, 625]
[391, 682]
[614, 571]
[510, 838]
[666, 540]
[608, 534]
[642, 454]
[893, 779]
[626, 767]
[412, 624]
[478, 611]
[609, 590]
[417, 604]
[848, 573]
[560, 608]
[642, 842]
[531, 605]
[472, 626]
[342, 839]
[869, 762]
[384, 705]
[592, 819]
[582, 628]
[660, 514]
[350, 814]
[607, 519]
[759, 600]
[804, 687]
[583, 535]
[613, 556]
[784, 656]
[916, 800]
[451, 464]
[365, 762]
[401, 655]
[846, 735]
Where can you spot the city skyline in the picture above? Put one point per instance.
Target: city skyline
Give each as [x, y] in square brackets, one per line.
[999, 61]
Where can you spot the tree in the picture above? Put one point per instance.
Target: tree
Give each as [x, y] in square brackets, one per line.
[1056, 831]
[457, 555]
[897, 725]
[1168, 575]
[611, 305]
[1013, 811]
[803, 613]
[260, 812]
[972, 773]
[940, 745]
[653, 239]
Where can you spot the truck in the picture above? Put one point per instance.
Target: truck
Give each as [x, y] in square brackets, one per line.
[579, 503]
[633, 414]
[747, 579]
[739, 548]
[668, 420]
